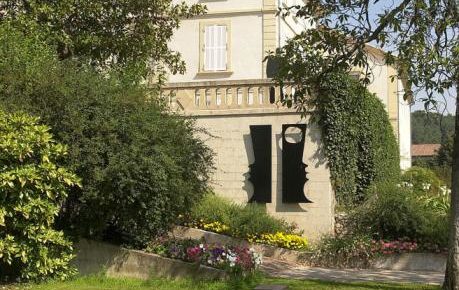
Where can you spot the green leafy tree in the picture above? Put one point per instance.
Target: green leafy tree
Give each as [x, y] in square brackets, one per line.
[33, 185]
[141, 165]
[430, 127]
[127, 34]
[422, 39]
[445, 153]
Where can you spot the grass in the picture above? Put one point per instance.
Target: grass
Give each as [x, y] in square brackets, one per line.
[103, 283]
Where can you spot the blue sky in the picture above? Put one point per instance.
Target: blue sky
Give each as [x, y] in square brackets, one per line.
[446, 103]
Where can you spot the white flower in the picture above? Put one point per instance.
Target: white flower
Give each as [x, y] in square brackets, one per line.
[201, 246]
[426, 186]
[445, 190]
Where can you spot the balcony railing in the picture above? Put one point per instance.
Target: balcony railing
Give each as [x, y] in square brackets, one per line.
[225, 95]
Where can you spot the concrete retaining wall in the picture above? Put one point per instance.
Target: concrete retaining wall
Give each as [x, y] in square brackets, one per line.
[213, 238]
[412, 262]
[95, 257]
[429, 262]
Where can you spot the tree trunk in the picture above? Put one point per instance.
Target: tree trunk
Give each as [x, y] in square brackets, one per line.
[452, 265]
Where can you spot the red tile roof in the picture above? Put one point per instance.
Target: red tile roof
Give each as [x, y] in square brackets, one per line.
[424, 149]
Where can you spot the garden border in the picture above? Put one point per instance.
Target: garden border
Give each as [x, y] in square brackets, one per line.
[98, 257]
[266, 250]
[429, 262]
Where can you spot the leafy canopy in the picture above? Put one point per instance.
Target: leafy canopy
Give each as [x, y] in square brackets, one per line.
[420, 36]
[127, 34]
[141, 165]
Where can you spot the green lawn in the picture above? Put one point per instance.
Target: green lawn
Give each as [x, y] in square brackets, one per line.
[102, 283]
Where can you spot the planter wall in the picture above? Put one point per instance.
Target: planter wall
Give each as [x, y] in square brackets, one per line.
[412, 262]
[429, 262]
[265, 250]
[96, 257]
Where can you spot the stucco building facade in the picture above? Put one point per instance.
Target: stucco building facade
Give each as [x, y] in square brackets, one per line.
[226, 87]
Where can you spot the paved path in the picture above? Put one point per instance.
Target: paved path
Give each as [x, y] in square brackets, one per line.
[282, 269]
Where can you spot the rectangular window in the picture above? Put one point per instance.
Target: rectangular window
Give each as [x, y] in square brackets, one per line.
[215, 48]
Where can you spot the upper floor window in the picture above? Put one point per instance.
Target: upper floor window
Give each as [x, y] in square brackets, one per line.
[214, 47]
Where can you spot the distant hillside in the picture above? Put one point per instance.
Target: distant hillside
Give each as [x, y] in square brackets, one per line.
[426, 128]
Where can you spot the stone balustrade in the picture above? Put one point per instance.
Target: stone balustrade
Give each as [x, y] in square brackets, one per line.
[225, 95]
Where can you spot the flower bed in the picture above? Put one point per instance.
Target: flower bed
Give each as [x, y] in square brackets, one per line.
[392, 247]
[282, 240]
[279, 239]
[234, 259]
[404, 246]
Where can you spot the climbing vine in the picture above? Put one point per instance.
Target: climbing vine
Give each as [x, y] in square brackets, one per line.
[359, 141]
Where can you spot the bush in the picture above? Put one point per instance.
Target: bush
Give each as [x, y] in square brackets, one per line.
[240, 221]
[141, 165]
[250, 222]
[347, 251]
[33, 186]
[398, 212]
[423, 180]
[359, 141]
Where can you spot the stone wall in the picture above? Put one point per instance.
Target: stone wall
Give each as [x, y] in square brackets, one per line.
[230, 139]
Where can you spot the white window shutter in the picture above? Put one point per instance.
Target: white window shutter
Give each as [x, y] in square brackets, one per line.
[208, 48]
[215, 48]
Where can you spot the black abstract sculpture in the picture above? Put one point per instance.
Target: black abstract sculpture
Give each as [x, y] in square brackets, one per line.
[260, 170]
[293, 168]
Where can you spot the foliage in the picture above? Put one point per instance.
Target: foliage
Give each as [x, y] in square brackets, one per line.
[430, 127]
[399, 212]
[342, 30]
[141, 165]
[444, 173]
[421, 36]
[242, 221]
[279, 239]
[343, 251]
[445, 153]
[423, 180]
[428, 188]
[360, 144]
[236, 260]
[249, 221]
[33, 185]
[115, 34]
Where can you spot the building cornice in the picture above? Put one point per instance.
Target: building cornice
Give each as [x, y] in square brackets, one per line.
[236, 12]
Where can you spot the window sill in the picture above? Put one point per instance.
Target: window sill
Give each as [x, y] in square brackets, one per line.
[225, 73]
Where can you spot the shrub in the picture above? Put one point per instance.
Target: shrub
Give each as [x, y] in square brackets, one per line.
[359, 141]
[250, 222]
[398, 212]
[33, 186]
[423, 180]
[141, 165]
[240, 221]
[343, 251]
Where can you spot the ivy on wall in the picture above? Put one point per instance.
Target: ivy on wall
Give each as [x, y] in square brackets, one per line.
[359, 140]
